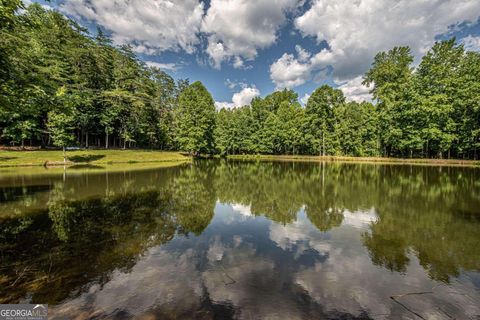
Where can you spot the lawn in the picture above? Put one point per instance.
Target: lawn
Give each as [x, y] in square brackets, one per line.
[41, 158]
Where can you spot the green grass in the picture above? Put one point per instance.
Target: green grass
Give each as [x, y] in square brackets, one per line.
[6, 172]
[442, 162]
[92, 157]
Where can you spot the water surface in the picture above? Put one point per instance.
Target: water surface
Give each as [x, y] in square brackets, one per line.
[244, 240]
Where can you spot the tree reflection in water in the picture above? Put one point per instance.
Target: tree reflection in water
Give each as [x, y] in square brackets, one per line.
[102, 229]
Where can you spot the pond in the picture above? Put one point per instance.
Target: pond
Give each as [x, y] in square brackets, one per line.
[244, 240]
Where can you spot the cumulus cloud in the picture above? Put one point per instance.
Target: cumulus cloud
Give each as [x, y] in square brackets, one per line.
[245, 96]
[356, 31]
[303, 55]
[294, 70]
[239, 99]
[290, 72]
[242, 209]
[237, 28]
[162, 66]
[360, 219]
[471, 43]
[150, 26]
[181, 284]
[354, 90]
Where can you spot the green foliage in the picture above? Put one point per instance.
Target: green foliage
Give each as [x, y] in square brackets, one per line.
[431, 112]
[356, 128]
[195, 119]
[118, 101]
[60, 126]
[7, 12]
[321, 110]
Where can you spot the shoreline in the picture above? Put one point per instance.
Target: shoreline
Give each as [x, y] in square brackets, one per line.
[371, 160]
[54, 158]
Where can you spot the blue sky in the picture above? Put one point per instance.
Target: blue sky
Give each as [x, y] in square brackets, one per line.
[241, 48]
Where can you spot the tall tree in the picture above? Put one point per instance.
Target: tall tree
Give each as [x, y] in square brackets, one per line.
[195, 119]
[320, 111]
[61, 122]
[356, 129]
[391, 80]
[436, 84]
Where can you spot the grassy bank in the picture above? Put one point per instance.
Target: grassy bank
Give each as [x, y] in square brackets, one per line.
[380, 160]
[7, 172]
[92, 157]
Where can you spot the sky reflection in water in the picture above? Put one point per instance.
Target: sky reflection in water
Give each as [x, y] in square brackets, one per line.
[246, 240]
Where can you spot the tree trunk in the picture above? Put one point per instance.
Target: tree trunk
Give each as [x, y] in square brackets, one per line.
[106, 140]
[323, 143]
[86, 139]
[64, 155]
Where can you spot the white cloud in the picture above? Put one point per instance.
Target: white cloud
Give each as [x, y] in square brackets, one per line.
[303, 55]
[242, 209]
[223, 105]
[245, 96]
[122, 288]
[239, 99]
[217, 53]
[304, 99]
[289, 72]
[235, 84]
[238, 63]
[356, 30]
[238, 28]
[151, 26]
[471, 43]
[359, 219]
[162, 66]
[354, 90]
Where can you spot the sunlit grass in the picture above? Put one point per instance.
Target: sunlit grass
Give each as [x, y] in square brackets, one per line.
[91, 157]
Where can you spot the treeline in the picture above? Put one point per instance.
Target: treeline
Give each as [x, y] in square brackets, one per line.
[61, 87]
[278, 124]
[429, 111]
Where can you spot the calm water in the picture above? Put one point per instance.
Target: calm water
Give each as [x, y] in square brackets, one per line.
[221, 240]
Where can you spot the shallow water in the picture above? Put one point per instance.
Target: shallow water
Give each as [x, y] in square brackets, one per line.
[224, 239]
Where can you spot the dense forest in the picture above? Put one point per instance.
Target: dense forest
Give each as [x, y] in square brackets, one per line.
[61, 86]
